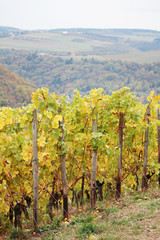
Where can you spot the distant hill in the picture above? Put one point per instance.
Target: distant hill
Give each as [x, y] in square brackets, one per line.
[14, 91]
[4, 29]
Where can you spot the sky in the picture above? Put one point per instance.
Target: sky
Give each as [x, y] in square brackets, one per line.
[52, 14]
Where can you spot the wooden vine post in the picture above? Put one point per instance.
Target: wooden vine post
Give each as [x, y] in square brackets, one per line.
[63, 171]
[158, 136]
[51, 200]
[146, 144]
[35, 171]
[94, 167]
[119, 177]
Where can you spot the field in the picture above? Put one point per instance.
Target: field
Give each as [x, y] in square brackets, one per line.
[101, 44]
[44, 42]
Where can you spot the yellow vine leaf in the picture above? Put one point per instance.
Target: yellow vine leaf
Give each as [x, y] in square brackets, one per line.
[156, 99]
[55, 122]
[2, 123]
[150, 96]
[48, 114]
[41, 141]
[1, 169]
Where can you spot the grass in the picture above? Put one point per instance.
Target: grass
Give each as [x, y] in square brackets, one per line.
[81, 219]
[134, 216]
[111, 210]
[86, 229]
[56, 223]
[17, 235]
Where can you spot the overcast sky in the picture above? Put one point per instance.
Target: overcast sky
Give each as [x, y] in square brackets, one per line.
[50, 14]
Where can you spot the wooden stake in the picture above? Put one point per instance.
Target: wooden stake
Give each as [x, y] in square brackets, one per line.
[158, 135]
[119, 177]
[146, 143]
[94, 168]
[35, 171]
[63, 173]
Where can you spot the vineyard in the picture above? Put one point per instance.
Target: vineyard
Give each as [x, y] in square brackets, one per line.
[112, 139]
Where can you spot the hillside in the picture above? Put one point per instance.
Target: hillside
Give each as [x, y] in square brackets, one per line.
[64, 75]
[117, 44]
[14, 91]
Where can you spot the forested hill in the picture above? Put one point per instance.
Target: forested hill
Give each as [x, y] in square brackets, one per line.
[64, 75]
[14, 91]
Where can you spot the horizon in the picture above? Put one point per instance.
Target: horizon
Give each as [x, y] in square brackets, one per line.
[48, 29]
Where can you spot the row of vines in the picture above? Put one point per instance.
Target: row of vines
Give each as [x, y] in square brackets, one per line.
[79, 142]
